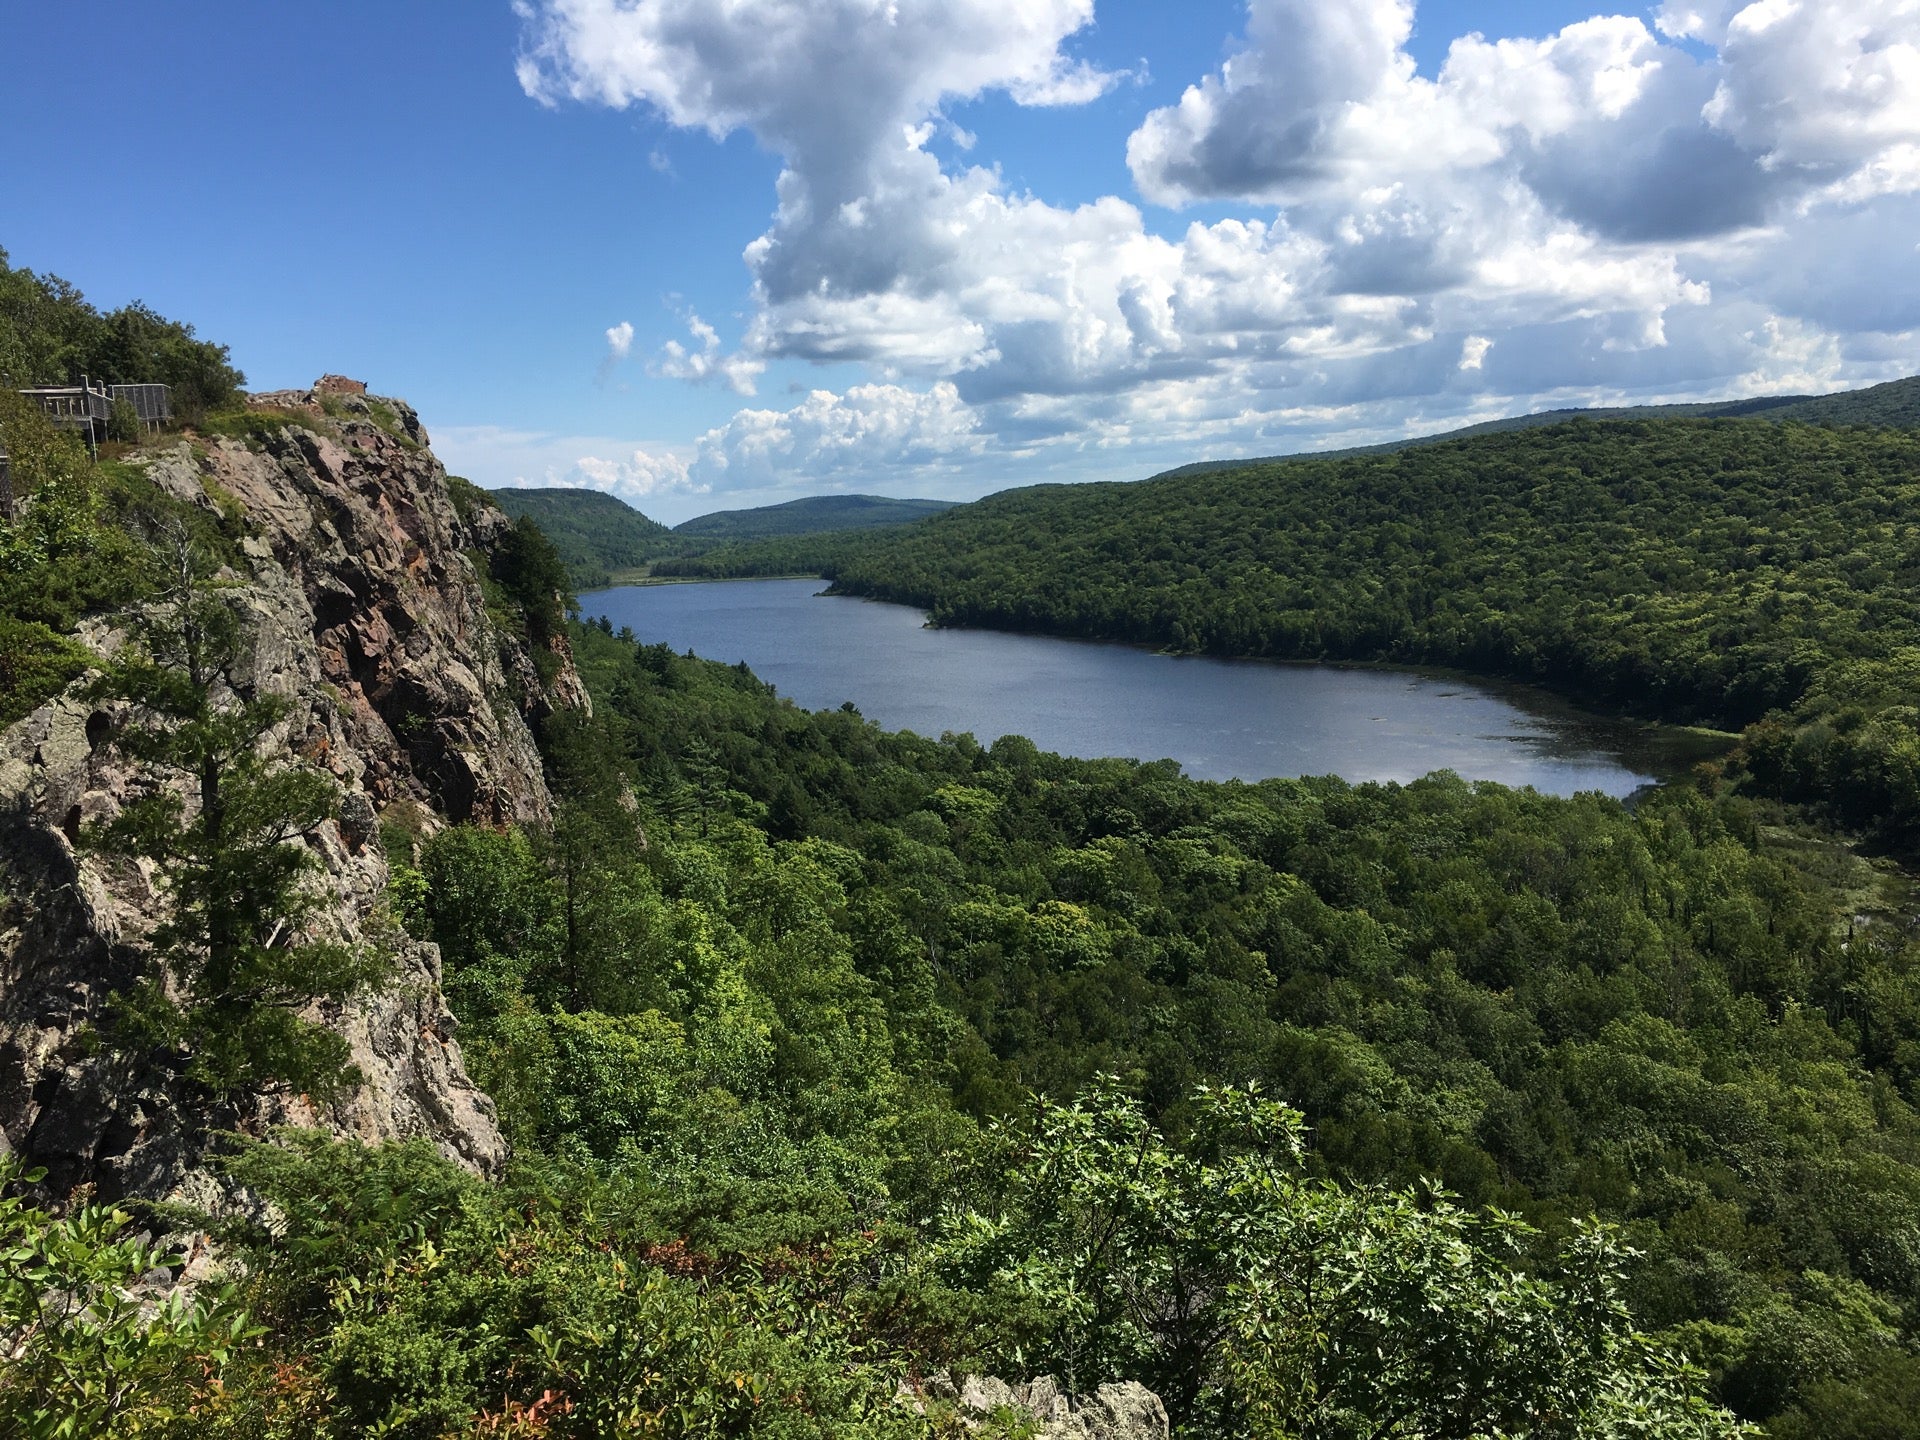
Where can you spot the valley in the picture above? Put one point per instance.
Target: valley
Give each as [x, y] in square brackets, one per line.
[603, 1029]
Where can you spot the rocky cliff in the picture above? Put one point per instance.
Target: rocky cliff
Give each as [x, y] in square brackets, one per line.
[362, 579]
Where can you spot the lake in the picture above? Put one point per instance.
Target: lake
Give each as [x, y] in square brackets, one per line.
[1221, 719]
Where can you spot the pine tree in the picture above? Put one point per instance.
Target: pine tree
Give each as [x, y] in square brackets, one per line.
[235, 960]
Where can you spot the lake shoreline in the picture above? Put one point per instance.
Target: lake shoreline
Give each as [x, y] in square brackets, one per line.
[1220, 718]
[1672, 748]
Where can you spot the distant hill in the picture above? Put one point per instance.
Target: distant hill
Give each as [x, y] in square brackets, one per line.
[1896, 404]
[599, 536]
[595, 533]
[809, 516]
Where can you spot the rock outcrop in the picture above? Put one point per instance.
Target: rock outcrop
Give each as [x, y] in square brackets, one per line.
[369, 616]
[1126, 1411]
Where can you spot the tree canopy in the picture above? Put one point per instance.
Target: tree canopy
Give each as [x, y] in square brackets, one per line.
[51, 335]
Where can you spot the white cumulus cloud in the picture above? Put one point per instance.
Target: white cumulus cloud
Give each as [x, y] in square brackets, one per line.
[867, 436]
[704, 361]
[1615, 209]
[867, 431]
[641, 475]
[1619, 130]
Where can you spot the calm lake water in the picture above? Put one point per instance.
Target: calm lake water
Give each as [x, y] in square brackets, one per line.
[1221, 719]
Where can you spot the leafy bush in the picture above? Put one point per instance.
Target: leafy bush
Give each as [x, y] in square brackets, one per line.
[123, 424]
[432, 1304]
[50, 335]
[251, 423]
[468, 498]
[35, 665]
[533, 578]
[84, 1348]
[529, 569]
[1258, 1301]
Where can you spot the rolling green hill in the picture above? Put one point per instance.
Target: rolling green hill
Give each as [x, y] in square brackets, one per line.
[1895, 403]
[811, 515]
[600, 537]
[1703, 570]
[595, 533]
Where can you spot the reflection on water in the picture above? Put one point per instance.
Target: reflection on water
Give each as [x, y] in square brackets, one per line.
[1221, 719]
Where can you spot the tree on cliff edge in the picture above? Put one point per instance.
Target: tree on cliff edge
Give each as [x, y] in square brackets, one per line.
[235, 962]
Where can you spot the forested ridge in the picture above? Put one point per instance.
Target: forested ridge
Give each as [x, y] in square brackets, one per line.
[1697, 570]
[602, 540]
[809, 515]
[1732, 573]
[836, 1058]
[596, 534]
[1897, 402]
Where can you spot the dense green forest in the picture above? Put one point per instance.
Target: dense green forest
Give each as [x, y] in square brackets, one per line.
[1736, 573]
[50, 335]
[834, 1058]
[767, 1026]
[810, 515]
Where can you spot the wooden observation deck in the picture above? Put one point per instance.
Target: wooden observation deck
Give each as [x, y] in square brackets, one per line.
[87, 407]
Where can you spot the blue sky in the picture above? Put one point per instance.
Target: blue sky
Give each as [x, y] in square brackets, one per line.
[707, 255]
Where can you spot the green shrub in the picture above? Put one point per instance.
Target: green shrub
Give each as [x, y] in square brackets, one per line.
[86, 1352]
[468, 498]
[425, 1303]
[1257, 1300]
[35, 665]
[123, 425]
[388, 419]
[251, 424]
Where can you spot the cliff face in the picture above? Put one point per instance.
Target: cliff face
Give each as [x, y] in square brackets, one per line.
[369, 616]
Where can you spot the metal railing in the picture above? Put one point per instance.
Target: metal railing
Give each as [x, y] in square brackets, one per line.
[88, 407]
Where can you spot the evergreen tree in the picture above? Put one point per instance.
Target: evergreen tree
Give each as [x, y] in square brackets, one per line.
[236, 959]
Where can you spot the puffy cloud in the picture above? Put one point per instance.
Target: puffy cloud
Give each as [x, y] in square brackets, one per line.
[868, 431]
[806, 75]
[619, 346]
[1617, 130]
[1820, 88]
[879, 254]
[497, 456]
[867, 436]
[1610, 210]
[641, 476]
[739, 373]
[1318, 91]
[870, 236]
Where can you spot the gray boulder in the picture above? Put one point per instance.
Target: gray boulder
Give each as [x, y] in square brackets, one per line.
[1123, 1411]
